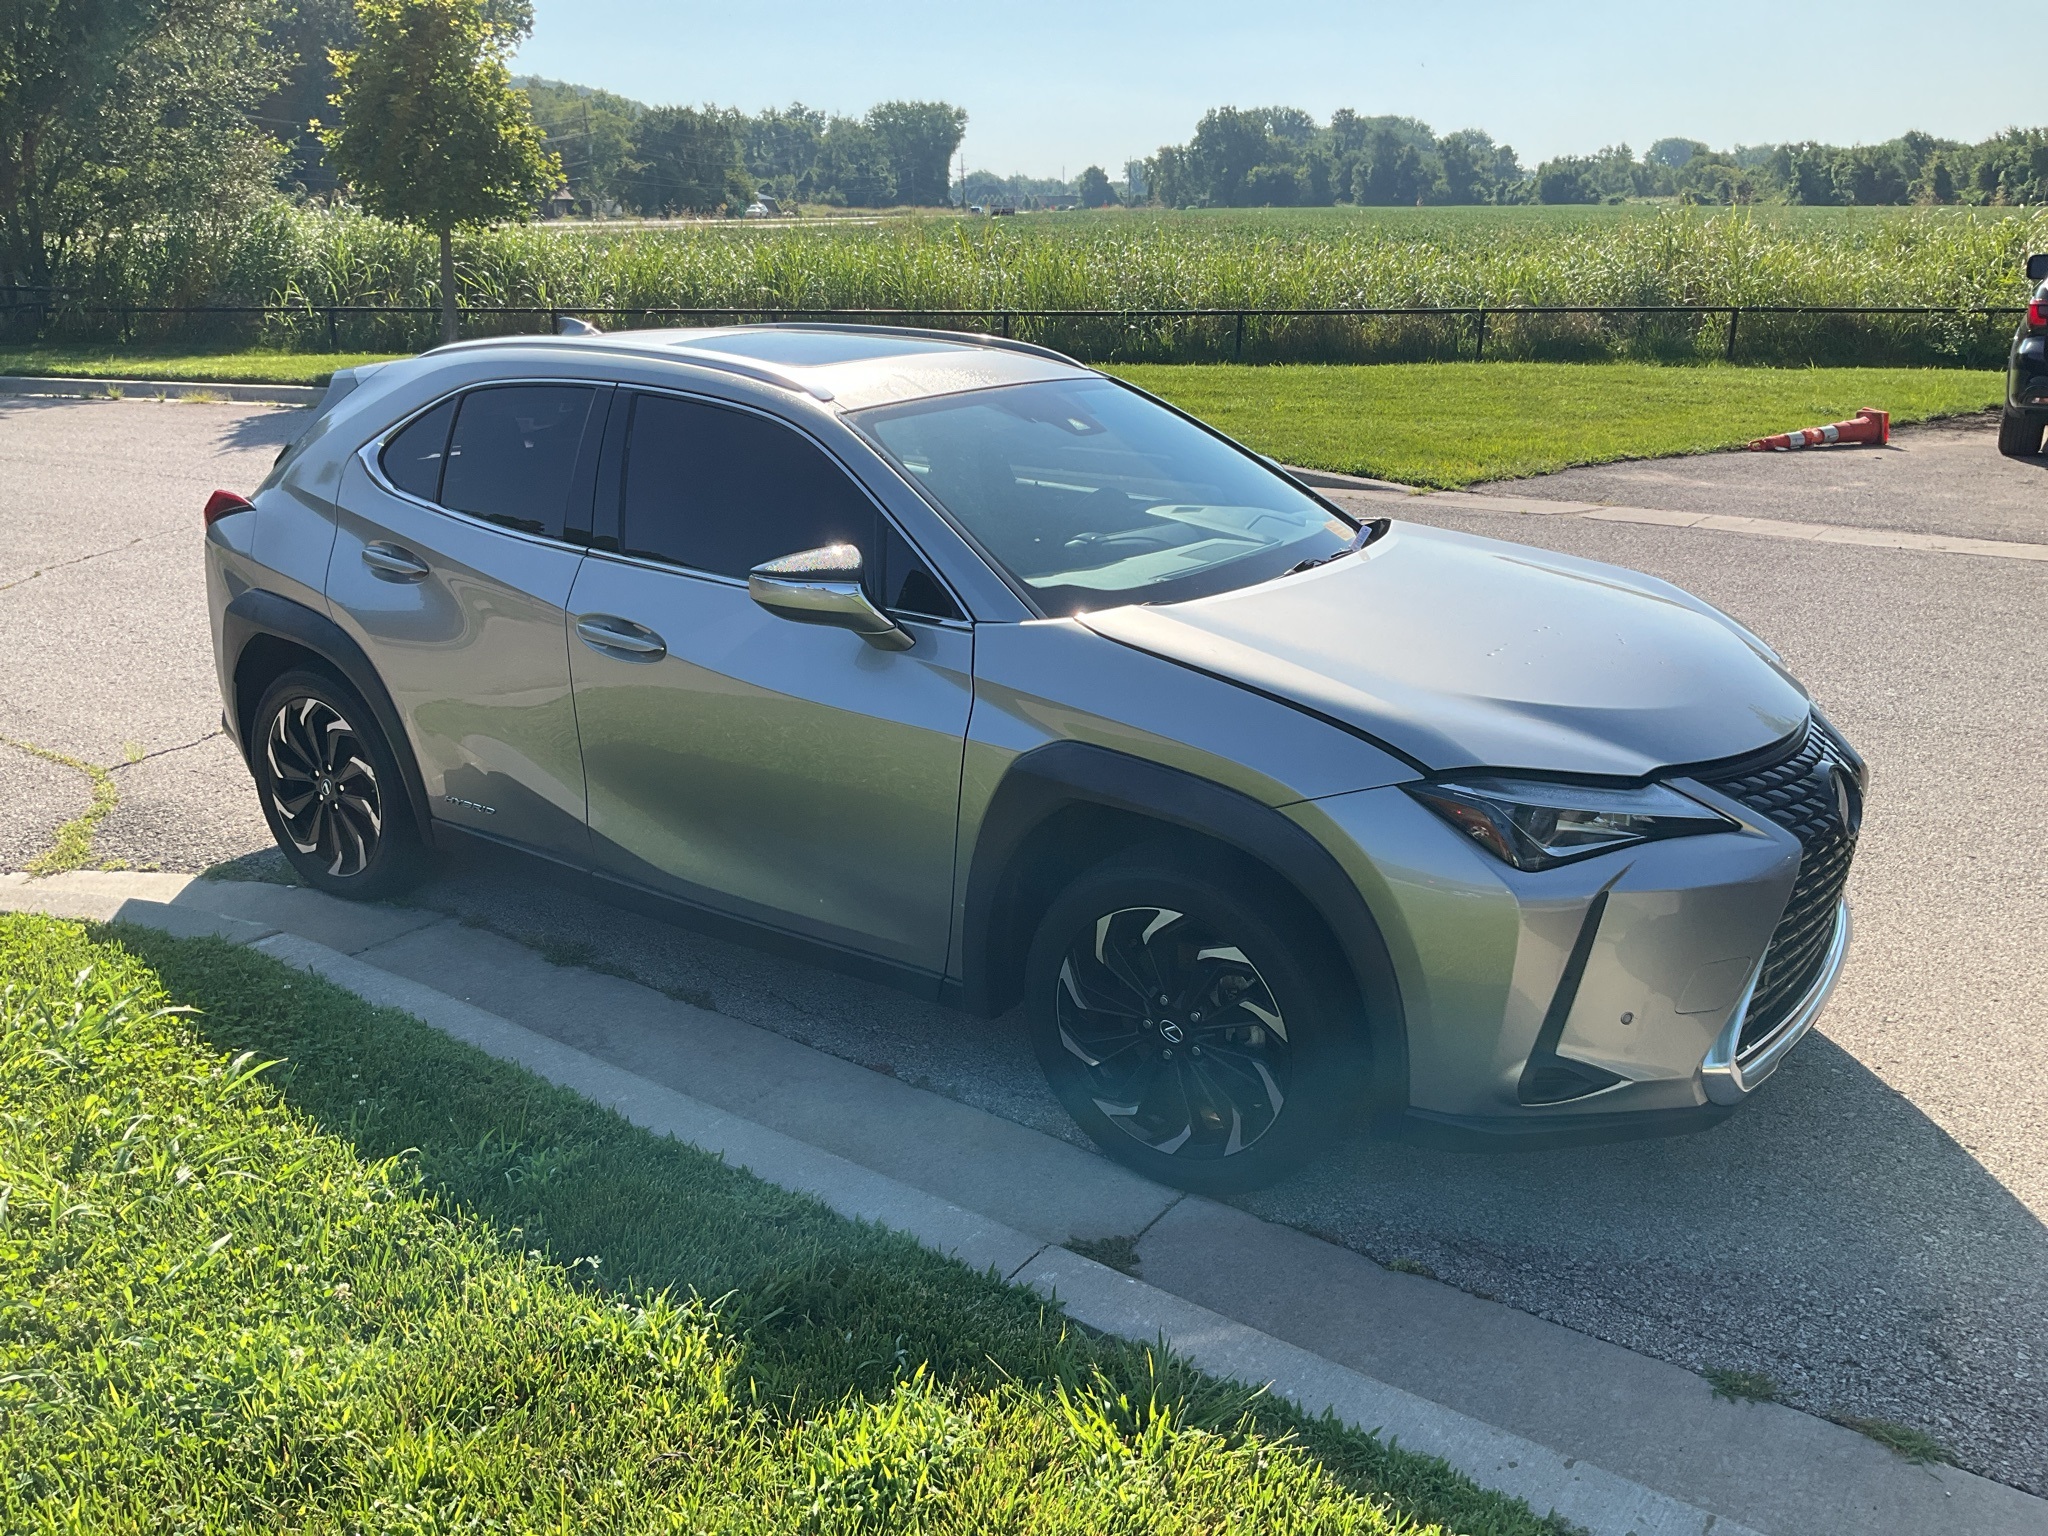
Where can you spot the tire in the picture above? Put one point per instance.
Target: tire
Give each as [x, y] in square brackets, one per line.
[331, 789]
[1270, 1078]
[2019, 434]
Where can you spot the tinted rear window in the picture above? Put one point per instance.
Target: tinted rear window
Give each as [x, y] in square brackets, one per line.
[512, 456]
[412, 460]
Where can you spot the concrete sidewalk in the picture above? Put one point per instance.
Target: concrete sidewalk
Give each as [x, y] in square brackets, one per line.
[1612, 1440]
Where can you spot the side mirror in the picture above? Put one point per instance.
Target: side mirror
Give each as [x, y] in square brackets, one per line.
[2037, 267]
[822, 586]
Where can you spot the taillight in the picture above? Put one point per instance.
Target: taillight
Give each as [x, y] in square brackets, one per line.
[2037, 315]
[221, 503]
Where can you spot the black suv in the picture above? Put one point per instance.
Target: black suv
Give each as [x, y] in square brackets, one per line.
[2026, 373]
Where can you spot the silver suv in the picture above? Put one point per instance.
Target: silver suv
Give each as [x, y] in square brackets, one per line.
[956, 664]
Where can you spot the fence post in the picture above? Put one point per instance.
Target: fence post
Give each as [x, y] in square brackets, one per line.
[1003, 318]
[1479, 347]
[333, 336]
[1734, 315]
[1237, 352]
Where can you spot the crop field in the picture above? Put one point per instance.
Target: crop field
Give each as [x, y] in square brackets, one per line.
[1246, 259]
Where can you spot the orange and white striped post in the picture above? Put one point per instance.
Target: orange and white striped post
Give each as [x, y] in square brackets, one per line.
[1869, 426]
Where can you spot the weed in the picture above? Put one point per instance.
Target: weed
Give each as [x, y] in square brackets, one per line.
[71, 845]
[1408, 1266]
[1741, 1386]
[1903, 1440]
[1117, 1252]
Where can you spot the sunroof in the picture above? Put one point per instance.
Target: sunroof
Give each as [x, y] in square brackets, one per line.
[811, 348]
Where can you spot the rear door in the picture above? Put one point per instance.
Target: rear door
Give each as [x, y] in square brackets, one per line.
[787, 773]
[460, 536]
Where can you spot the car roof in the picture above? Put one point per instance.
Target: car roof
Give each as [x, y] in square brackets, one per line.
[853, 366]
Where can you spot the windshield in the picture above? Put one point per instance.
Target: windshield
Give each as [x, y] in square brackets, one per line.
[1093, 496]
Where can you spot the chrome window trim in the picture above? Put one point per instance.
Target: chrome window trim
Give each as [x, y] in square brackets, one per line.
[372, 456]
[650, 563]
[671, 568]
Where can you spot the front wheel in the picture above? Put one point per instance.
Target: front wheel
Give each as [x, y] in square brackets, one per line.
[1191, 1026]
[2019, 434]
[331, 790]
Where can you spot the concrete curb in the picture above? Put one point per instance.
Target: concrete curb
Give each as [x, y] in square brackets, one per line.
[162, 389]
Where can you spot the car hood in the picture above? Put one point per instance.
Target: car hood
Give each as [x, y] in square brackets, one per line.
[1467, 652]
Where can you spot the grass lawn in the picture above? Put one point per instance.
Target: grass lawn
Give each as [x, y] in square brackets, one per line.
[179, 367]
[1451, 424]
[297, 1263]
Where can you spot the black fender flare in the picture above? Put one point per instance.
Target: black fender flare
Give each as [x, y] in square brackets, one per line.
[1049, 779]
[258, 613]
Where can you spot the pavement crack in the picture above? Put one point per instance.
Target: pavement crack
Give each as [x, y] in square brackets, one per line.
[71, 845]
[115, 549]
[183, 746]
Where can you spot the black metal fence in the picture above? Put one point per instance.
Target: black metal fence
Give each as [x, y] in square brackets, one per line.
[1771, 334]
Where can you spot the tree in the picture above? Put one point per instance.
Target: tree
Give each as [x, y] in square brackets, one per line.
[307, 34]
[1566, 180]
[591, 131]
[432, 130]
[854, 166]
[1094, 188]
[918, 138]
[686, 161]
[121, 119]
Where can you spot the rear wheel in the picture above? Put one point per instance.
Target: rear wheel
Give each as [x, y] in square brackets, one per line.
[331, 790]
[1192, 1035]
[2019, 433]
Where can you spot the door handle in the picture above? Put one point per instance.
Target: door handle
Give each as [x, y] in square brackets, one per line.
[394, 562]
[620, 638]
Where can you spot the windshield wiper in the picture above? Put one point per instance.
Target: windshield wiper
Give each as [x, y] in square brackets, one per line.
[1367, 532]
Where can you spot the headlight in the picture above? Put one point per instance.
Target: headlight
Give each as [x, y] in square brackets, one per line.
[1534, 825]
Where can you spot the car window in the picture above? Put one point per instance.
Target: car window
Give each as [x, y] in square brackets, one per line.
[723, 491]
[512, 455]
[412, 459]
[1091, 495]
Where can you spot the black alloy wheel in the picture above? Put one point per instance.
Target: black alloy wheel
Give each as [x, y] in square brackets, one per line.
[1180, 1038]
[1195, 1020]
[330, 788]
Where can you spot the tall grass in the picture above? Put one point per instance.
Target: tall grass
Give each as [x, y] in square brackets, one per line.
[1255, 260]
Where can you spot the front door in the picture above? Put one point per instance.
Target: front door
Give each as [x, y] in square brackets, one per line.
[781, 772]
[452, 569]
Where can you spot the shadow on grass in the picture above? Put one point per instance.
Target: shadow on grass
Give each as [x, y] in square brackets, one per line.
[821, 1305]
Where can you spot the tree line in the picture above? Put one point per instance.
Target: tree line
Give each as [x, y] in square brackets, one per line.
[1282, 157]
[622, 155]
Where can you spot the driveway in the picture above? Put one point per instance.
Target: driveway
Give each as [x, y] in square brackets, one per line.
[1869, 1232]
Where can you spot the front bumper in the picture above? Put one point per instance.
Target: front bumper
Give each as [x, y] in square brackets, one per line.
[1604, 1000]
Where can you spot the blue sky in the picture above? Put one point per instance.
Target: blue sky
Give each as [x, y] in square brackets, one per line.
[1052, 85]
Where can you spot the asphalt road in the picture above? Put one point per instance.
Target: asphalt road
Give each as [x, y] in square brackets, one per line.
[1868, 1232]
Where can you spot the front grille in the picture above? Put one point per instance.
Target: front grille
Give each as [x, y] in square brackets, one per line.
[1796, 787]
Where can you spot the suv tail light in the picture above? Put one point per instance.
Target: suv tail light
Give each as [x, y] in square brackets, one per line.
[221, 503]
[2037, 315]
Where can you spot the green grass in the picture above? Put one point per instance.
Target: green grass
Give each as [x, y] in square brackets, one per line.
[256, 366]
[1916, 1446]
[1741, 1386]
[297, 1263]
[1452, 424]
[71, 844]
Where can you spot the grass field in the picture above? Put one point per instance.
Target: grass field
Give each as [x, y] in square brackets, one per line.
[1437, 424]
[301, 1264]
[1150, 259]
[1452, 424]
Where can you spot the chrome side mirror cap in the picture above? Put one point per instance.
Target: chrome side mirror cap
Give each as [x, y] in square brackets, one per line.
[822, 586]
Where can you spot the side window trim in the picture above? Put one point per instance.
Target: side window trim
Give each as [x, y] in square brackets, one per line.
[585, 489]
[608, 533]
